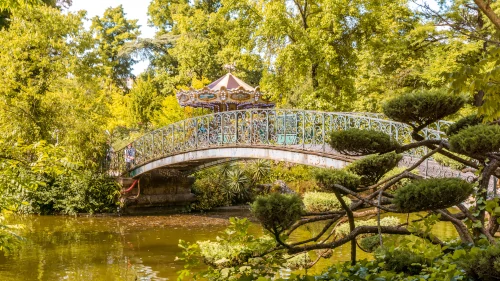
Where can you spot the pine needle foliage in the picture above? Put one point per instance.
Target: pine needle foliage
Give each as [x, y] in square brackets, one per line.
[471, 120]
[370, 243]
[361, 142]
[327, 178]
[277, 212]
[431, 194]
[422, 108]
[477, 139]
[372, 168]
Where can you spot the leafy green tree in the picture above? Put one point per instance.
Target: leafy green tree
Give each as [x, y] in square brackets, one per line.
[37, 58]
[7, 6]
[53, 107]
[205, 36]
[476, 23]
[112, 31]
[316, 50]
[144, 100]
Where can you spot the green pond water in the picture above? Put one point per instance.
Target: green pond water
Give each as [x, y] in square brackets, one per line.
[126, 247]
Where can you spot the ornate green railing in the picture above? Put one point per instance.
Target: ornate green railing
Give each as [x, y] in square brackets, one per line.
[274, 128]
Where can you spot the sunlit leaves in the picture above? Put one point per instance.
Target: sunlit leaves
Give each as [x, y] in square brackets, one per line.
[112, 31]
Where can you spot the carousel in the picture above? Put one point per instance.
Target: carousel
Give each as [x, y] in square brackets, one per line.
[227, 93]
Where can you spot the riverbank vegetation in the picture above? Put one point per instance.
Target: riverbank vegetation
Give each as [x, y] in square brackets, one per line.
[237, 183]
[67, 94]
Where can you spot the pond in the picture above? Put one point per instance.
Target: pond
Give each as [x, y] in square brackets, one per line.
[121, 248]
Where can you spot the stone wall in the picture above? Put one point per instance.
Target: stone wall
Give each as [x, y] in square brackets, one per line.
[159, 188]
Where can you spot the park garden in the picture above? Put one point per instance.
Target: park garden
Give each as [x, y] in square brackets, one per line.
[68, 98]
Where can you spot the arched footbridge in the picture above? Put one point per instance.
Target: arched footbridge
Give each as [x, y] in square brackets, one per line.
[297, 136]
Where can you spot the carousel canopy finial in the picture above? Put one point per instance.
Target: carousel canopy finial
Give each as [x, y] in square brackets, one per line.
[230, 67]
[226, 93]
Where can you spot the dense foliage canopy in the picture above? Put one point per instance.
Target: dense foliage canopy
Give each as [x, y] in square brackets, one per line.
[68, 95]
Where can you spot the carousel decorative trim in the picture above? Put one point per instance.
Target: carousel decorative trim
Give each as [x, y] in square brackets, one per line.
[225, 94]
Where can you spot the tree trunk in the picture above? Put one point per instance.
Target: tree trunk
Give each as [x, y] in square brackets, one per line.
[482, 193]
[486, 9]
[459, 225]
[350, 217]
[314, 76]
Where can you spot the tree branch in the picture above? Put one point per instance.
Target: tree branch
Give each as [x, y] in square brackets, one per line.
[486, 9]
[350, 218]
[364, 230]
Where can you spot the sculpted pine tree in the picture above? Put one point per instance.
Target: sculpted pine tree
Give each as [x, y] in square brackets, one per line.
[363, 191]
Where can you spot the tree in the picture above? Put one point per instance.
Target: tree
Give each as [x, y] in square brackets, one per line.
[317, 50]
[477, 74]
[36, 59]
[112, 31]
[7, 6]
[144, 100]
[362, 191]
[204, 36]
[53, 107]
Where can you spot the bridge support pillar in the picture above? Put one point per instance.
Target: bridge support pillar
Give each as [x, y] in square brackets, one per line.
[161, 189]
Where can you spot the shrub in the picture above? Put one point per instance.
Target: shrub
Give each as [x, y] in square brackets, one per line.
[277, 212]
[299, 261]
[344, 229]
[370, 243]
[402, 260]
[438, 268]
[322, 202]
[471, 120]
[236, 255]
[298, 177]
[257, 171]
[361, 142]
[372, 168]
[328, 177]
[363, 270]
[422, 107]
[431, 194]
[237, 185]
[209, 194]
[73, 193]
[223, 185]
[223, 253]
[477, 139]
[482, 264]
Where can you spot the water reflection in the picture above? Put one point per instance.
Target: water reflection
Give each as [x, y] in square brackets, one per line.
[125, 248]
[442, 230]
[105, 248]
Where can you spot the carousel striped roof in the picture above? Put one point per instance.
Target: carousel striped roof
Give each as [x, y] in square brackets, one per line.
[229, 81]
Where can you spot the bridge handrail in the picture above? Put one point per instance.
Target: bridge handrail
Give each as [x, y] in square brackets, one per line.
[366, 115]
[279, 128]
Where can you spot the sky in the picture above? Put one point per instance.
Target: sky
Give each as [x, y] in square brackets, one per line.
[134, 9]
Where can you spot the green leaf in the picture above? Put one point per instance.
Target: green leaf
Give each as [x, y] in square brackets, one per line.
[458, 254]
